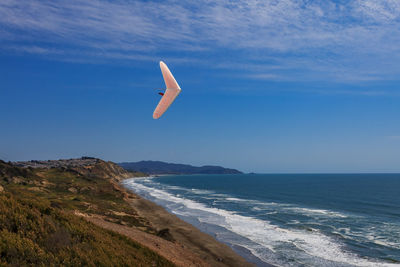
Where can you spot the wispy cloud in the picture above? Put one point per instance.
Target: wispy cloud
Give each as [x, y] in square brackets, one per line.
[394, 137]
[345, 41]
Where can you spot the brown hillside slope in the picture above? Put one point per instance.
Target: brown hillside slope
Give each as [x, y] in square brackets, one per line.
[36, 231]
[89, 188]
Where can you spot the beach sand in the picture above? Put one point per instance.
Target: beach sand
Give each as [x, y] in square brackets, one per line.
[186, 235]
[190, 247]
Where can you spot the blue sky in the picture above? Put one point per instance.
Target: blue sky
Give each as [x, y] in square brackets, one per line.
[267, 86]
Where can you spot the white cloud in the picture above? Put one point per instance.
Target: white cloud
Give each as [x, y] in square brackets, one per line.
[357, 40]
[378, 11]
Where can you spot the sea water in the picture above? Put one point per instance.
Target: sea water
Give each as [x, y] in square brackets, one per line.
[289, 219]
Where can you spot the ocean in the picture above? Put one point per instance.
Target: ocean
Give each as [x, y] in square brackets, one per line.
[289, 219]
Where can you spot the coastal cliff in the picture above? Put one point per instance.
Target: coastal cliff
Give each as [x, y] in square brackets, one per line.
[74, 212]
[40, 222]
[85, 166]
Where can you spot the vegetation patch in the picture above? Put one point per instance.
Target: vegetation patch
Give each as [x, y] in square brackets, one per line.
[39, 225]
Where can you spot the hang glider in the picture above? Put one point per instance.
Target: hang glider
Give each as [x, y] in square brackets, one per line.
[170, 93]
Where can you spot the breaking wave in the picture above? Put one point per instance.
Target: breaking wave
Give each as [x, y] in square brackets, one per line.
[270, 242]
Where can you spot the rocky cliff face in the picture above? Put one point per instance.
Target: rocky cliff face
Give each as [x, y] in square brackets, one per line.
[85, 166]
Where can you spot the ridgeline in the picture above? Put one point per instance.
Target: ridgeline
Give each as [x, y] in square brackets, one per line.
[159, 167]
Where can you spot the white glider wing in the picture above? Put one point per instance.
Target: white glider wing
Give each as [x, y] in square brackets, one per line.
[170, 94]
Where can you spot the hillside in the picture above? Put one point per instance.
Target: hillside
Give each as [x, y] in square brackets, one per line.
[85, 166]
[75, 212]
[159, 167]
[39, 222]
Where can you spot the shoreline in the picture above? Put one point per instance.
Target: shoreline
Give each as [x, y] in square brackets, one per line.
[206, 250]
[316, 232]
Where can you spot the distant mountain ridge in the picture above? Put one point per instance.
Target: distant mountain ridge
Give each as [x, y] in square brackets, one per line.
[159, 167]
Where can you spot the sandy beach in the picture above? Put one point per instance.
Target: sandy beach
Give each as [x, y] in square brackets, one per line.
[191, 246]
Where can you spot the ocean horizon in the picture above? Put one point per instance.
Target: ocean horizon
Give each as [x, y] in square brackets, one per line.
[289, 219]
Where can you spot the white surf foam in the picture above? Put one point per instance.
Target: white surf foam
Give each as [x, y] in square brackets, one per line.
[289, 208]
[236, 199]
[321, 212]
[310, 247]
[201, 192]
